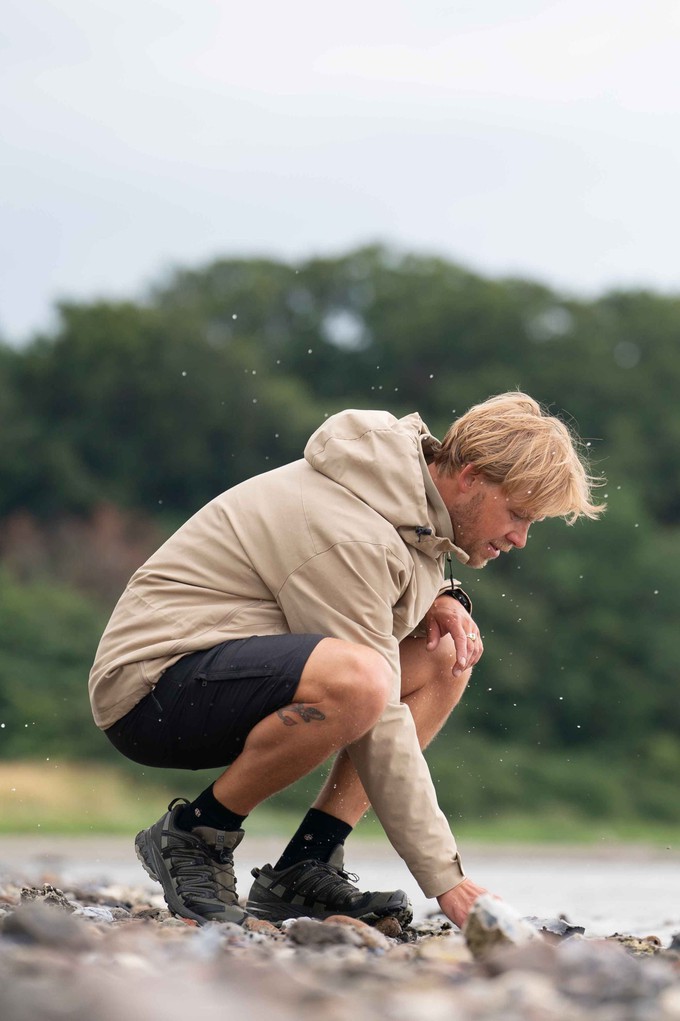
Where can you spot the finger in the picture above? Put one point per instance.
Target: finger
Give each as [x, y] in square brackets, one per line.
[459, 665]
[475, 649]
[433, 634]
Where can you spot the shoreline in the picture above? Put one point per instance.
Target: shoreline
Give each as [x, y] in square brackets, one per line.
[622, 888]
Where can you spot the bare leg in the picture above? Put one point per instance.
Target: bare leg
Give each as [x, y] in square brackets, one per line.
[430, 691]
[342, 692]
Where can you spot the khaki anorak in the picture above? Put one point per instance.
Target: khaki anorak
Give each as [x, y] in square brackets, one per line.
[349, 542]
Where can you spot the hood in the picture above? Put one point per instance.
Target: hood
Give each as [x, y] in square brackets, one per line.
[379, 458]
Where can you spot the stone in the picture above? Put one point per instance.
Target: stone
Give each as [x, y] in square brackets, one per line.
[37, 923]
[641, 947]
[538, 956]
[370, 936]
[47, 894]
[450, 949]
[94, 914]
[309, 932]
[600, 971]
[155, 914]
[262, 926]
[555, 929]
[389, 926]
[492, 925]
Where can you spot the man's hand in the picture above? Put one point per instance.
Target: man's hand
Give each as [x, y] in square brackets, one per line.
[447, 616]
[456, 903]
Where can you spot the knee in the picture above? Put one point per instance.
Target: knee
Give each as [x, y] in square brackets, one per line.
[431, 672]
[366, 680]
[350, 681]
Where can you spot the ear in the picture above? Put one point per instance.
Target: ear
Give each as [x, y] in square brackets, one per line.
[468, 478]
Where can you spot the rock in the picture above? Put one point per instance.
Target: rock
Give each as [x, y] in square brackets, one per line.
[94, 914]
[669, 1003]
[600, 971]
[370, 937]
[645, 946]
[262, 926]
[492, 924]
[47, 894]
[389, 927]
[154, 914]
[309, 932]
[513, 996]
[538, 956]
[555, 929]
[36, 923]
[450, 949]
[434, 925]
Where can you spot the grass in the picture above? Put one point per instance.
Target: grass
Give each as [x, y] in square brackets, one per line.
[89, 799]
[86, 799]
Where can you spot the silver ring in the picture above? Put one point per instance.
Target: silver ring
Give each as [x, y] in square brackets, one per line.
[472, 636]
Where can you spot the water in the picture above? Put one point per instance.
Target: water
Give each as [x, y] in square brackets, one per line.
[620, 889]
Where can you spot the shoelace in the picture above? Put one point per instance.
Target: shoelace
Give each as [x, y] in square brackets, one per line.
[196, 881]
[333, 883]
[224, 867]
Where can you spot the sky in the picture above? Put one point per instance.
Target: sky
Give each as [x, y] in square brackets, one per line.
[532, 138]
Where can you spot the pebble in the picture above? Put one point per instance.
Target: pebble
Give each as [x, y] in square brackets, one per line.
[107, 953]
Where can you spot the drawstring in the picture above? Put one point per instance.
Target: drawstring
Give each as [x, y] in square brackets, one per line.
[450, 563]
[421, 530]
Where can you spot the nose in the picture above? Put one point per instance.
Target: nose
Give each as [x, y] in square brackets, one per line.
[519, 535]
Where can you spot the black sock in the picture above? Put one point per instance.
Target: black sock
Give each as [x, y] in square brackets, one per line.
[206, 810]
[315, 837]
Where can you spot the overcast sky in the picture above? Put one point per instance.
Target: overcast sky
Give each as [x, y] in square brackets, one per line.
[523, 137]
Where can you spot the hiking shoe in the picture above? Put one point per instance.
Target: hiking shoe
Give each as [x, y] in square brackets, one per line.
[195, 869]
[316, 889]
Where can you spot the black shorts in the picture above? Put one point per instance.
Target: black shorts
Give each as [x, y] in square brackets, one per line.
[202, 709]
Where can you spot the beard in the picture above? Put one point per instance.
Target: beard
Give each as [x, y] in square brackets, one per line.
[466, 534]
[465, 529]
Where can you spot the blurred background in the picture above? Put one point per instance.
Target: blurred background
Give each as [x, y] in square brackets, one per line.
[220, 224]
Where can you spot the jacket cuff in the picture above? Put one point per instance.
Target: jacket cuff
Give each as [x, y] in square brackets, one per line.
[445, 880]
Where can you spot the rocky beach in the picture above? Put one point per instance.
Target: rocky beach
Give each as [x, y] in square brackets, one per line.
[101, 950]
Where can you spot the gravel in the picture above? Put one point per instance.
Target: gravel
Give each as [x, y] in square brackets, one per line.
[111, 952]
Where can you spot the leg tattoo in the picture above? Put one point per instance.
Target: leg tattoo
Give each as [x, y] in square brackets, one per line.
[305, 712]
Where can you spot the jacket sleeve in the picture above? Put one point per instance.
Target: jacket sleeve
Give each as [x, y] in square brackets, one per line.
[348, 592]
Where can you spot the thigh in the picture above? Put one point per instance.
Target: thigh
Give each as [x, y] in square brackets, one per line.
[204, 706]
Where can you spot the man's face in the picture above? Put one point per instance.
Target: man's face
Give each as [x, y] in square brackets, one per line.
[485, 521]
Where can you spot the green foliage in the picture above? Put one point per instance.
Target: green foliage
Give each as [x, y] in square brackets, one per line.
[225, 370]
[49, 635]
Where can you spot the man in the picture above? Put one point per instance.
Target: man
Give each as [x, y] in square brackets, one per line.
[305, 612]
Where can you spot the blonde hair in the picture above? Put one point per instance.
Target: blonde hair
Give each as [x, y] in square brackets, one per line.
[539, 463]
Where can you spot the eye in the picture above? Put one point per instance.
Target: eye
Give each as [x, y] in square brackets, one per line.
[522, 518]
